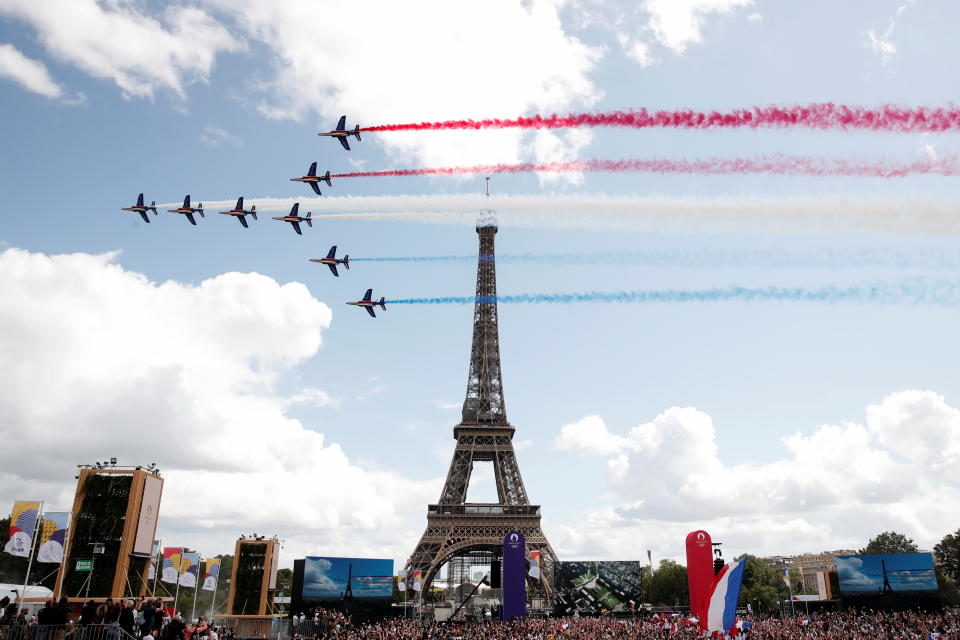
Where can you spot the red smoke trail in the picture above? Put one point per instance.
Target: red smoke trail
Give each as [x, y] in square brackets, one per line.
[775, 164]
[811, 116]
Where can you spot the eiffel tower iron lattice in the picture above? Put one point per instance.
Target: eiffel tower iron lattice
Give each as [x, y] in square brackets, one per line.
[456, 528]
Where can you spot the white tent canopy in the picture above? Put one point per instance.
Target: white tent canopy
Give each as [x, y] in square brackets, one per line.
[33, 591]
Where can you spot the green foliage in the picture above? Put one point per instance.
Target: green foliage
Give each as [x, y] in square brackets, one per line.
[763, 587]
[668, 585]
[890, 542]
[949, 593]
[947, 553]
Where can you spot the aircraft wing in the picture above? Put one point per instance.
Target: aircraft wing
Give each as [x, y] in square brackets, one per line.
[343, 141]
[190, 218]
[296, 227]
[143, 214]
[370, 311]
[333, 269]
[316, 189]
[368, 295]
[332, 253]
[243, 221]
[342, 124]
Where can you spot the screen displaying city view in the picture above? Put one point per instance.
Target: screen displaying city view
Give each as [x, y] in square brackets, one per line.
[597, 587]
[362, 587]
[895, 580]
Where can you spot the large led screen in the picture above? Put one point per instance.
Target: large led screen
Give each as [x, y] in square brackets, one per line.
[889, 581]
[597, 587]
[362, 587]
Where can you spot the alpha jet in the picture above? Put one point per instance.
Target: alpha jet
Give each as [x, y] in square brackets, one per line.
[241, 213]
[312, 179]
[368, 303]
[332, 262]
[188, 211]
[142, 209]
[295, 218]
[341, 133]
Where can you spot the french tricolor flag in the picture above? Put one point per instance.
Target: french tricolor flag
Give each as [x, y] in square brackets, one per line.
[720, 610]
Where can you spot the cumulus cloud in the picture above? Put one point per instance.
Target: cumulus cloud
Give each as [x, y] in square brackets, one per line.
[881, 42]
[677, 23]
[444, 60]
[28, 73]
[96, 360]
[834, 488]
[215, 136]
[118, 41]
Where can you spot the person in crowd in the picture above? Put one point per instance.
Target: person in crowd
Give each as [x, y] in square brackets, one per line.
[174, 630]
[146, 611]
[126, 618]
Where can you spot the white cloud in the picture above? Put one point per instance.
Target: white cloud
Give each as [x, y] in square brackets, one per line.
[835, 488]
[440, 60]
[29, 73]
[217, 136]
[677, 23]
[99, 361]
[882, 42]
[116, 41]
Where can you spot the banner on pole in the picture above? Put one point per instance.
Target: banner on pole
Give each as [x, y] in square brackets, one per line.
[416, 581]
[23, 522]
[53, 536]
[514, 577]
[154, 555]
[189, 566]
[401, 580]
[211, 573]
[535, 565]
[170, 569]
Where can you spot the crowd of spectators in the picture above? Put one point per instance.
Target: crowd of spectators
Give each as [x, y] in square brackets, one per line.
[124, 619]
[840, 625]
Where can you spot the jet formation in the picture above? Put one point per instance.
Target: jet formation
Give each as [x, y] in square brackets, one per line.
[342, 134]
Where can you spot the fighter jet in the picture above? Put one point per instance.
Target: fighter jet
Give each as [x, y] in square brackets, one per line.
[312, 179]
[332, 262]
[368, 304]
[240, 213]
[341, 133]
[188, 211]
[295, 218]
[141, 209]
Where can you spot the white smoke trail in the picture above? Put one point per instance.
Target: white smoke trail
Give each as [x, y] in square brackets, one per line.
[911, 215]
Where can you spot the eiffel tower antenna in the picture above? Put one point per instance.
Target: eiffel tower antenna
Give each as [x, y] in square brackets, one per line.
[458, 530]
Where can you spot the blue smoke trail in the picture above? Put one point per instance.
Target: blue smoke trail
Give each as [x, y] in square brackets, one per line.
[824, 258]
[913, 291]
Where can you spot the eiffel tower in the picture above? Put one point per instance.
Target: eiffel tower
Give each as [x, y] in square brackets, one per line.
[457, 529]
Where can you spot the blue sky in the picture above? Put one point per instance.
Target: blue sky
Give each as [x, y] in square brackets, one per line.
[775, 426]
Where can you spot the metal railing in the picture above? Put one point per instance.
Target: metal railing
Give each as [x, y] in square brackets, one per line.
[254, 627]
[63, 632]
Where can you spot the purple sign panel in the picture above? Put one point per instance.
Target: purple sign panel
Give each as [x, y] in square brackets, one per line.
[514, 576]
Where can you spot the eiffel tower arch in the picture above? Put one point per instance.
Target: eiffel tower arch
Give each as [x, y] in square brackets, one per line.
[459, 532]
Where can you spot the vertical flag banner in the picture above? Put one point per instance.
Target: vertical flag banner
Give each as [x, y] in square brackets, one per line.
[53, 536]
[170, 569]
[210, 574]
[23, 521]
[402, 580]
[416, 581]
[189, 566]
[535, 565]
[699, 569]
[514, 577]
[720, 608]
[786, 578]
[154, 554]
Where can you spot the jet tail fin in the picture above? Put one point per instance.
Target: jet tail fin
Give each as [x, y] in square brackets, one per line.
[356, 131]
[383, 303]
[253, 213]
[346, 262]
[308, 220]
[200, 209]
[326, 178]
[153, 207]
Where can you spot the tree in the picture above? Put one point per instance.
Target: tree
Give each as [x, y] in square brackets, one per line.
[668, 585]
[763, 587]
[949, 593]
[947, 554]
[890, 542]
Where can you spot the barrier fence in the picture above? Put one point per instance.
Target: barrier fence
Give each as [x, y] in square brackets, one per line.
[63, 632]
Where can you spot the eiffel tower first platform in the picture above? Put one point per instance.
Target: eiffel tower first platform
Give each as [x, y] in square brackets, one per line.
[457, 530]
